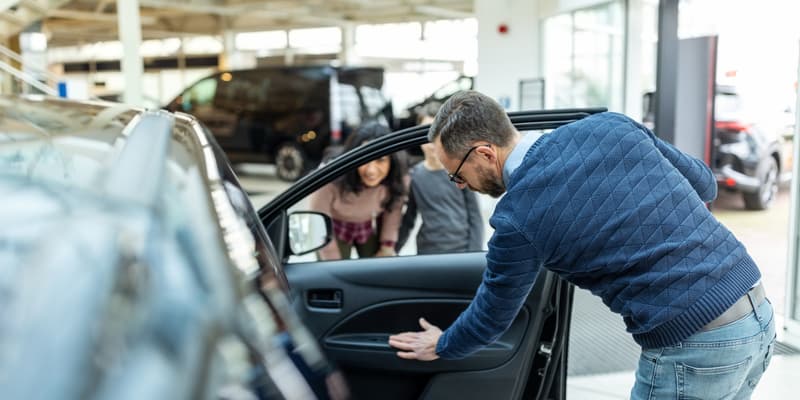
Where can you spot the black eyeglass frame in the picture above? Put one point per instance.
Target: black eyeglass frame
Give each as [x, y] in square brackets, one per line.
[455, 177]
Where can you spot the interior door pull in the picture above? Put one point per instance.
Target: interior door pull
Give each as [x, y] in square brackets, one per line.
[325, 298]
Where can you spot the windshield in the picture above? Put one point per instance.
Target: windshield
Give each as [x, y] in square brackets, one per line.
[728, 107]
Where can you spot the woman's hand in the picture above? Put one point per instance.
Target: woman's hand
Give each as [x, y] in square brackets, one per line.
[386, 251]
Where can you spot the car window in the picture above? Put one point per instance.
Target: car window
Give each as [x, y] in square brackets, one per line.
[365, 219]
[437, 218]
[728, 106]
[246, 91]
[373, 100]
[349, 105]
[201, 94]
[451, 88]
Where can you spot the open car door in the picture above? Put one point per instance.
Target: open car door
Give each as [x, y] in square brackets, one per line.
[352, 306]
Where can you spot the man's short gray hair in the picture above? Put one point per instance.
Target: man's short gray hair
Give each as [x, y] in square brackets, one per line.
[467, 117]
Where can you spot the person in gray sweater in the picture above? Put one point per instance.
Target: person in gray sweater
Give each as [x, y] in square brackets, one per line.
[451, 217]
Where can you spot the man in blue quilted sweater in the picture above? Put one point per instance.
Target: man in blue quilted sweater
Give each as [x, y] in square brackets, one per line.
[614, 210]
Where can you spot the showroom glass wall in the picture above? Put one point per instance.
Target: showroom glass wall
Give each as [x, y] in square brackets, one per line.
[584, 57]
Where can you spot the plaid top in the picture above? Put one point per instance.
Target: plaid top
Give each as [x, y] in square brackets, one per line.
[350, 232]
[355, 213]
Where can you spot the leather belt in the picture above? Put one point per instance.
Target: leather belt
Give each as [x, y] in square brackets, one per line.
[753, 298]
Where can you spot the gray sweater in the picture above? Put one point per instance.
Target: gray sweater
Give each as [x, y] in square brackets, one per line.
[451, 218]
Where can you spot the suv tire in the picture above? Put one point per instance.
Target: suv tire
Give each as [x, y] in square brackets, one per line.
[291, 161]
[764, 197]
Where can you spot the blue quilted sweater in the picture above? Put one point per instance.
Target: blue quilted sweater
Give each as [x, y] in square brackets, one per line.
[615, 210]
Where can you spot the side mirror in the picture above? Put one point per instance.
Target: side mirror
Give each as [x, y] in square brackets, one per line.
[308, 231]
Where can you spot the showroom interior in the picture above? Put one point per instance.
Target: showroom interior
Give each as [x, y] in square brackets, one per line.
[715, 78]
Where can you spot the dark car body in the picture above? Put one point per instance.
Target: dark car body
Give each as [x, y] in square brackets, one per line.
[746, 157]
[133, 265]
[286, 116]
[439, 96]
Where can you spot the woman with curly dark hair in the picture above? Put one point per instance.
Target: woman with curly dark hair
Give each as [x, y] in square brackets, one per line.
[365, 204]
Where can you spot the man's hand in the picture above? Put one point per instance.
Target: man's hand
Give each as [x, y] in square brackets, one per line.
[417, 345]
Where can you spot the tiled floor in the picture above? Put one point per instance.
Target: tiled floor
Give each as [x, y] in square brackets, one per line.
[781, 381]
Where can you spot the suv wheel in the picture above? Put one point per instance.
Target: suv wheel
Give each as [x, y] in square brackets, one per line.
[762, 199]
[290, 161]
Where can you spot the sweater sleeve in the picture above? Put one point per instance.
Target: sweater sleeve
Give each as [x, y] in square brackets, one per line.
[322, 201]
[474, 221]
[512, 266]
[695, 171]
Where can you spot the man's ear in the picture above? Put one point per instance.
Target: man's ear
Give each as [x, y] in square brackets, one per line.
[487, 152]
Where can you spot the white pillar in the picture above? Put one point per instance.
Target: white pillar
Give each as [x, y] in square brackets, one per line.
[130, 34]
[182, 62]
[792, 315]
[232, 58]
[506, 58]
[633, 59]
[228, 50]
[33, 50]
[347, 56]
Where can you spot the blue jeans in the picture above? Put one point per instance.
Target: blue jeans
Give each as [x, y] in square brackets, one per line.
[722, 363]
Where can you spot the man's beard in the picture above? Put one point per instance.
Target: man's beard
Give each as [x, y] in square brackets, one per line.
[490, 184]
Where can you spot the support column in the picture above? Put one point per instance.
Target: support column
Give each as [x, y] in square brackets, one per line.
[508, 48]
[228, 50]
[33, 50]
[347, 56]
[633, 59]
[792, 315]
[667, 69]
[182, 62]
[130, 34]
[232, 58]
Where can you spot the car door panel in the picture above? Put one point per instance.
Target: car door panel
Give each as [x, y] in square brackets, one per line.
[352, 306]
[350, 342]
[382, 296]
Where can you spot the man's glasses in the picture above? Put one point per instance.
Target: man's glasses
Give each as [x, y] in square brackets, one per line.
[455, 177]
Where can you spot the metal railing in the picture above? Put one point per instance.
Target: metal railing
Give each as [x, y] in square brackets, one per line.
[52, 79]
[25, 77]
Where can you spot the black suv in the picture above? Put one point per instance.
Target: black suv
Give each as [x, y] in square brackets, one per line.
[746, 158]
[285, 115]
[440, 95]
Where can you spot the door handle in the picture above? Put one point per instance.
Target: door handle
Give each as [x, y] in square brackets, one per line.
[324, 298]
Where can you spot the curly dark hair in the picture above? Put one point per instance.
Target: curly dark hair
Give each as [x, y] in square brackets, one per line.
[351, 181]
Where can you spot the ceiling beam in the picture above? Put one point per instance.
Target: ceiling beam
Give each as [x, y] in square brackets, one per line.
[5, 5]
[226, 10]
[192, 16]
[13, 18]
[101, 6]
[446, 13]
[93, 16]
